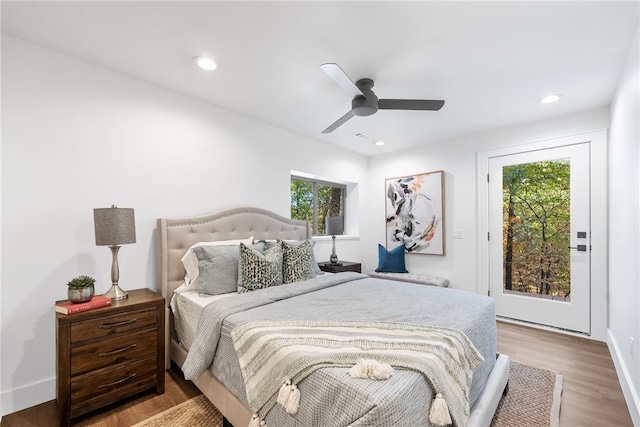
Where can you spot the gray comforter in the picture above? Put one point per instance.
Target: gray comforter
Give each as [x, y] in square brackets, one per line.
[337, 399]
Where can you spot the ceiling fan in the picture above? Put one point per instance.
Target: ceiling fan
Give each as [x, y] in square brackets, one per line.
[365, 102]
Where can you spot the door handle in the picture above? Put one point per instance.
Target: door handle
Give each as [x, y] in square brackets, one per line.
[579, 248]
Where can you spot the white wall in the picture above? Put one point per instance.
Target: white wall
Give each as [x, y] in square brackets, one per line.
[457, 157]
[624, 231]
[75, 137]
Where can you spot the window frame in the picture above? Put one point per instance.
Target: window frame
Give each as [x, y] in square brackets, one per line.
[315, 183]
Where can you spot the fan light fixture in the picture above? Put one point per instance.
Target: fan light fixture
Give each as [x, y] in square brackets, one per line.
[205, 63]
[549, 99]
[365, 103]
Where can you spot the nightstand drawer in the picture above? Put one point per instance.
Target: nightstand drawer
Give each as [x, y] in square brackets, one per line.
[113, 385]
[112, 325]
[109, 352]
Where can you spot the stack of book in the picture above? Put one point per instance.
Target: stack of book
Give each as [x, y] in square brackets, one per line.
[67, 307]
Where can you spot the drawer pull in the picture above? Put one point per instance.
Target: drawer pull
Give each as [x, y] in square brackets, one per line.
[120, 350]
[113, 325]
[117, 382]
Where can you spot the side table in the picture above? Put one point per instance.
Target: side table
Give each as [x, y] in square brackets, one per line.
[340, 266]
[110, 353]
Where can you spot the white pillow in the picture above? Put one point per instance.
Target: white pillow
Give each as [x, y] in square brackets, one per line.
[190, 261]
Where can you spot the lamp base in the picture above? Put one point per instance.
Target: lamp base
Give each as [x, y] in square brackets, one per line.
[333, 259]
[115, 293]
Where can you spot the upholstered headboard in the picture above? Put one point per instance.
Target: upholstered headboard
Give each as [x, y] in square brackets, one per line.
[175, 236]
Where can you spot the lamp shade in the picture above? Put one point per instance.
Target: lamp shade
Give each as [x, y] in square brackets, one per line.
[334, 225]
[114, 226]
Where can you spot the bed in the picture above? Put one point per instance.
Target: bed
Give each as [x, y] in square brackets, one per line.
[337, 400]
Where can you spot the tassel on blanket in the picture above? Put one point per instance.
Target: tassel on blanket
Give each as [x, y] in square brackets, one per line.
[289, 397]
[372, 369]
[255, 421]
[283, 394]
[292, 404]
[439, 412]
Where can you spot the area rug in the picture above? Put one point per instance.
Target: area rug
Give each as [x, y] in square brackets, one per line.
[195, 412]
[533, 400]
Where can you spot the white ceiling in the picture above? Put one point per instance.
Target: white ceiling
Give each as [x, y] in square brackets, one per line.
[490, 61]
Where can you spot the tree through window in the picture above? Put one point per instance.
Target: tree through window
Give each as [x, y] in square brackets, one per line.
[315, 200]
[536, 226]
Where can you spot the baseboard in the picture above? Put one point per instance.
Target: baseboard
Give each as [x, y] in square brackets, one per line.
[626, 383]
[30, 395]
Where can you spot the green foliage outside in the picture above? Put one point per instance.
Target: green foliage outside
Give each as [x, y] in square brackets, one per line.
[536, 227]
[329, 203]
[301, 200]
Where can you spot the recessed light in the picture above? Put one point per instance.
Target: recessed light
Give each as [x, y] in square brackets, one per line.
[205, 63]
[549, 99]
[379, 143]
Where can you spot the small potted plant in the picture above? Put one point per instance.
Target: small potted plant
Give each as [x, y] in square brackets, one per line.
[81, 289]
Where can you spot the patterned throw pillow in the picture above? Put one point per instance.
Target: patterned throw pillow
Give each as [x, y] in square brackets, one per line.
[259, 270]
[272, 243]
[298, 262]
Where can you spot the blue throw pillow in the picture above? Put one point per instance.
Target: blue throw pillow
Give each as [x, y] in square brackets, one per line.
[391, 261]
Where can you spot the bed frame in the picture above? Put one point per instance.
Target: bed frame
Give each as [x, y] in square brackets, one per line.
[175, 236]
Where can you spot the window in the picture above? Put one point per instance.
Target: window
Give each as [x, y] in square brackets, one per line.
[315, 200]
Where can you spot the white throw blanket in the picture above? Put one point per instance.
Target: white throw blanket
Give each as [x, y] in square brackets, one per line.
[276, 355]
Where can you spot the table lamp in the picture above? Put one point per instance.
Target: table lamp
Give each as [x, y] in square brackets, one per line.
[334, 225]
[114, 226]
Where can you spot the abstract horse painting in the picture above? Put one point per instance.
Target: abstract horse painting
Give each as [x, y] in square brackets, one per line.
[415, 213]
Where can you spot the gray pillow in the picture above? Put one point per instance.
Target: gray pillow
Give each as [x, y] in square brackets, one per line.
[218, 268]
[259, 270]
[298, 262]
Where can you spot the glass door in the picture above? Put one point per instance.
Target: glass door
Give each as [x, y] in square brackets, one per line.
[539, 236]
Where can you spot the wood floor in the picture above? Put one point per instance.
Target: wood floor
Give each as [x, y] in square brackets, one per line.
[591, 392]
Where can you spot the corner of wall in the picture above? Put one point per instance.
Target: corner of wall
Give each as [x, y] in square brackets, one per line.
[626, 383]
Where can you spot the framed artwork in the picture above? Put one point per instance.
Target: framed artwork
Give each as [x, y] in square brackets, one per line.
[415, 213]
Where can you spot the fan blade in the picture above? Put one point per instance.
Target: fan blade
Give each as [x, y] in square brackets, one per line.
[410, 104]
[341, 78]
[342, 120]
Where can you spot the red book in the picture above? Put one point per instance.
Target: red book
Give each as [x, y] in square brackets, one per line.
[67, 307]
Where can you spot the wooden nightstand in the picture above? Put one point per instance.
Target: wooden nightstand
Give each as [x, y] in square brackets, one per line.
[346, 266]
[107, 354]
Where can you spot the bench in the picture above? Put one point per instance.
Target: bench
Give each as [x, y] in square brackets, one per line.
[421, 279]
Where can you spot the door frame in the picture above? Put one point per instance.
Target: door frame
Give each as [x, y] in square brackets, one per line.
[598, 214]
